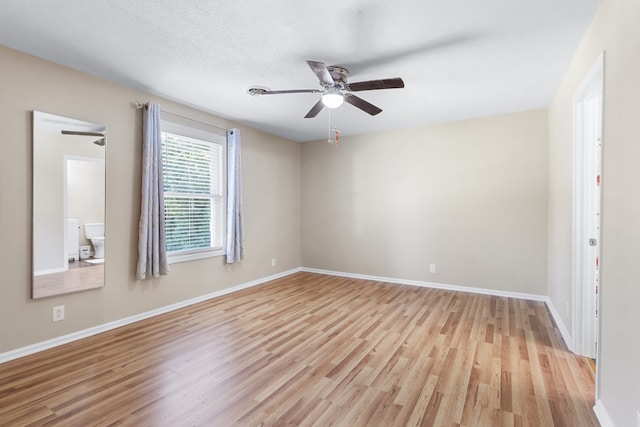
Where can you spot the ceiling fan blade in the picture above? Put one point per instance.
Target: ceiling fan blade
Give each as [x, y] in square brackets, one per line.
[320, 70]
[395, 83]
[260, 91]
[362, 104]
[315, 110]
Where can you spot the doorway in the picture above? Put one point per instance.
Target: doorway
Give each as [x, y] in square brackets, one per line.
[83, 195]
[587, 190]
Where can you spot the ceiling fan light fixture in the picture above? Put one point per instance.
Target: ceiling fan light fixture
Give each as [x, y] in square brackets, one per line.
[332, 98]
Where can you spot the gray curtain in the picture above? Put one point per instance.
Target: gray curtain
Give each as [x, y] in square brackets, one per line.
[152, 243]
[235, 244]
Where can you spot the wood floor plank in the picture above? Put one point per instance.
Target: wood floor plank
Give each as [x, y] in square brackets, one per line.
[312, 349]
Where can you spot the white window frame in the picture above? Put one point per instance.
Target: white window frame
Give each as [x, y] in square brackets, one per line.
[201, 131]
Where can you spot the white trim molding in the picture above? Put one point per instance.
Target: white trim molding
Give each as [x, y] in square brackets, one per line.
[564, 331]
[52, 271]
[587, 130]
[483, 291]
[65, 339]
[603, 415]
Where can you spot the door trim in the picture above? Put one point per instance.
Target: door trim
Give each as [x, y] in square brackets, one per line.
[584, 328]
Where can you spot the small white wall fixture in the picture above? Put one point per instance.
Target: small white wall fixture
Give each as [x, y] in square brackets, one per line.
[586, 265]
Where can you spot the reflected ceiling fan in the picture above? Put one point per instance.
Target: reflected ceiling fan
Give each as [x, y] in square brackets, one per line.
[336, 90]
[101, 141]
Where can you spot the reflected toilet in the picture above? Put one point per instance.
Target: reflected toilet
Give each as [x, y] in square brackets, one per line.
[95, 233]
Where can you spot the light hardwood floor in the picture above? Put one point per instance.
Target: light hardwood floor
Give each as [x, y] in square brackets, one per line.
[317, 350]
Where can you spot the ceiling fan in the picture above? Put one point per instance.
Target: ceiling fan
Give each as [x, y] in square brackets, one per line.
[336, 90]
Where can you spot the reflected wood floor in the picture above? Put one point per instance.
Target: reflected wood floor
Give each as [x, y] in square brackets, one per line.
[311, 349]
[80, 276]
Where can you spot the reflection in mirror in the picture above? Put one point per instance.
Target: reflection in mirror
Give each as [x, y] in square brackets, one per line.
[68, 205]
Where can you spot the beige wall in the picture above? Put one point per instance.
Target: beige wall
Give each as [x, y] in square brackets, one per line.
[469, 196]
[271, 196]
[614, 30]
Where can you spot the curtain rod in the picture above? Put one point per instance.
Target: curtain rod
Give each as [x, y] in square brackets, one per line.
[140, 105]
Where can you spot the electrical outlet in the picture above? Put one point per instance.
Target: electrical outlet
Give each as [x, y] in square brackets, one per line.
[58, 313]
[273, 262]
[432, 268]
[638, 419]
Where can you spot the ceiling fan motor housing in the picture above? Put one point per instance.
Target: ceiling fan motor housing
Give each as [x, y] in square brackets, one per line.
[339, 75]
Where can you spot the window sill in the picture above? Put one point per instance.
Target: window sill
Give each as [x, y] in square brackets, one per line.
[178, 257]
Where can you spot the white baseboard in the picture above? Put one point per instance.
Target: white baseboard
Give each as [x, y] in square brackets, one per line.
[603, 415]
[566, 336]
[483, 291]
[35, 348]
[52, 271]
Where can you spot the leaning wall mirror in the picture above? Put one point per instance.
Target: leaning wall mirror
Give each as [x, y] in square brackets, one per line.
[68, 205]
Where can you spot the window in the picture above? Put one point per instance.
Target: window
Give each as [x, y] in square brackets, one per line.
[194, 181]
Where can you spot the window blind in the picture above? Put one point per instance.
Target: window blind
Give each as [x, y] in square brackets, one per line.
[193, 193]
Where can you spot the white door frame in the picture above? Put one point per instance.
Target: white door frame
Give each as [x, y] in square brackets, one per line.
[585, 329]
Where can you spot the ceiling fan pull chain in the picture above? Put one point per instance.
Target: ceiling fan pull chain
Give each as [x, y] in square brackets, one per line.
[329, 136]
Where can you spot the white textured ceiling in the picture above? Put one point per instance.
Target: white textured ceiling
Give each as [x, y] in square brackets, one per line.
[459, 58]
